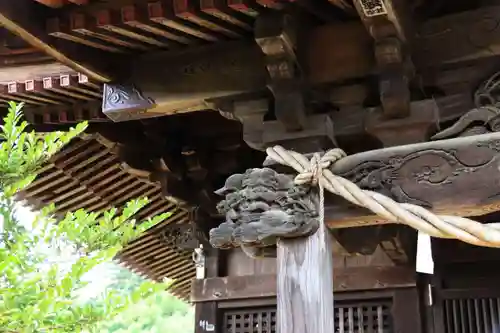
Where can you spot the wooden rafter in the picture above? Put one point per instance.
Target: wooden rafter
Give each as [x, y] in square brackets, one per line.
[24, 18]
[86, 174]
[61, 3]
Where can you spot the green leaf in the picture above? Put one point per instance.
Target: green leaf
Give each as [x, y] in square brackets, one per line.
[32, 297]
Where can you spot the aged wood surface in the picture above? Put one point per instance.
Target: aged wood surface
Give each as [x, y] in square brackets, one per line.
[304, 284]
[432, 174]
[206, 314]
[24, 18]
[235, 67]
[344, 280]
[32, 72]
[406, 311]
[458, 37]
[450, 39]
[200, 74]
[389, 23]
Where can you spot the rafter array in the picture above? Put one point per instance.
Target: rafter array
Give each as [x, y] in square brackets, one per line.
[157, 25]
[87, 174]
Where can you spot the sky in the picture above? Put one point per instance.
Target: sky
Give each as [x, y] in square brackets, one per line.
[98, 278]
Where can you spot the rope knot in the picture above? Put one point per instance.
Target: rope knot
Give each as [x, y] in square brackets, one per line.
[309, 171]
[315, 169]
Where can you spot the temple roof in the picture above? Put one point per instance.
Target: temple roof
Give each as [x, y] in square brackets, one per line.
[86, 174]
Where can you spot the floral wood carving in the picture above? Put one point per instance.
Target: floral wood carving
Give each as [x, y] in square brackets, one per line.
[427, 174]
[183, 236]
[124, 102]
[482, 120]
[261, 206]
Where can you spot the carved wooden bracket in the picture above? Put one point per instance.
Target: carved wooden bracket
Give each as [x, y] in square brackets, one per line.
[390, 25]
[188, 236]
[394, 77]
[276, 34]
[180, 236]
[424, 118]
[477, 121]
[125, 102]
[260, 206]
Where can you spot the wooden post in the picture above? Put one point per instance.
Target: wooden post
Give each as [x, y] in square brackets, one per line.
[261, 206]
[206, 314]
[305, 284]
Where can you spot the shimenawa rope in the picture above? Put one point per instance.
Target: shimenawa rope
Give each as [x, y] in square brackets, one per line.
[316, 173]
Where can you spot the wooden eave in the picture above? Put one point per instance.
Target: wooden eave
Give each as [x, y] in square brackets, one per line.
[53, 93]
[97, 38]
[87, 174]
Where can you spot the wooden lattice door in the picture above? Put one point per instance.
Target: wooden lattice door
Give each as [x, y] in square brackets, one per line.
[469, 311]
[350, 317]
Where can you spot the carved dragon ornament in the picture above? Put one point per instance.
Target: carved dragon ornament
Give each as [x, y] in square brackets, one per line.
[261, 206]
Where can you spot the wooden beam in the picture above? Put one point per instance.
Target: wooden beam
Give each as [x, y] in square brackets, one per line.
[458, 37]
[32, 72]
[25, 18]
[451, 39]
[52, 3]
[231, 68]
[210, 72]
[262, 286]
[356, 55]
[433, 174]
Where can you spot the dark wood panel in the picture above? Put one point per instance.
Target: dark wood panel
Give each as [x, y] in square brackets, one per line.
[406, 311]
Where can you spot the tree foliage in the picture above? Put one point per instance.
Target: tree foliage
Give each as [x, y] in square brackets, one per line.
[36, 297]
[158, 313]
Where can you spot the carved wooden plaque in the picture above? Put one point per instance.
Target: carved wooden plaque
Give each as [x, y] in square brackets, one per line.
[373, 7]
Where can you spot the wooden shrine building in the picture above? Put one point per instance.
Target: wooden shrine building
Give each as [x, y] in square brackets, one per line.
[182, 94]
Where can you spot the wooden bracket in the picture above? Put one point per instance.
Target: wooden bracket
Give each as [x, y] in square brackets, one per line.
[423, 119]
[189, 236]
[396, 241]
[389, 23]
[276, 34]
[394, 77]
[316, 134]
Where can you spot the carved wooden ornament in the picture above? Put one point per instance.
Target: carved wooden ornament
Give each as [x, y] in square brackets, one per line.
[125, 102]
[260, 206]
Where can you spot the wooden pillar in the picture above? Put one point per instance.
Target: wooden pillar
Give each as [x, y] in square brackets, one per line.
[261, 206]
[406, 311]
[206, 314]
[305, 284]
